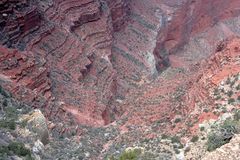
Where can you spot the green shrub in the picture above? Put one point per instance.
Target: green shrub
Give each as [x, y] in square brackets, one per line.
[236, 115]
[176, 151]
[177, 120]
[215, 141]
[218, 97]
[228, 81]
[23, 123]
[231, 101]
[238, 98]
[230, 93]
[9, 124]
[5, 103]
[16, 148]
[238, 87]
[175, 139]
[11, 112]
[202, 128]
[164, 136]
[232, 83]
[19, 149]
[203, 138]
[9, 119]
[3, 92]
[194, 139]
[236, 78]
[223, 135]
[131, 154]
[216, 91]
[205, 110]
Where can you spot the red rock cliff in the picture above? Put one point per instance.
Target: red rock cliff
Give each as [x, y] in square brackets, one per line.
[84, 56]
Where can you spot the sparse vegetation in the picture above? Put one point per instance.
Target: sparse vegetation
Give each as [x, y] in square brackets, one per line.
[16, 148]
[9, 124]
[223, 135]
[8, 121]
[131, 154]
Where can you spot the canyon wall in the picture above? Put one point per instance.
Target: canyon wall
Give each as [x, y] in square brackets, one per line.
[195, 17]
[66, 46]
[80, 58]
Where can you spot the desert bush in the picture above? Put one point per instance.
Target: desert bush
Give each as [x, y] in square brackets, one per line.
[238, 98]
[9, 124]
[216, 91]
[177, 120]
[176, 151]
[131, 154]
[19, 149]
[194, 139]
[215, 141]
[236, 115]
[228, 81]
[16, 148]
[218, 97]
[3, 92]
[231, 101]
[238, 87]
[230, 93]
[205, 110]
[164, 136]
[202, 128]
[223, 134]
[175, 139]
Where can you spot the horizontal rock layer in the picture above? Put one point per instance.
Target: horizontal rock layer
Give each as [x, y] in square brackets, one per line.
[81, 58]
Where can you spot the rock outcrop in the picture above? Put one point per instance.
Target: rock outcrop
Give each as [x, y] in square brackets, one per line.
[25, 76]
[196, 17]
[18, 20]
[228, 151]
[78, 52]
[139, 68]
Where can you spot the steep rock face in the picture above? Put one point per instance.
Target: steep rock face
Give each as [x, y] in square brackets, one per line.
[191, 24]
[132, 51]
[120, 10]
[94, 51]
[78, 50]
[25, 76]
[17, 19]
[74, 39]
[90, 62]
